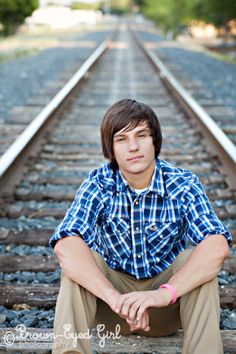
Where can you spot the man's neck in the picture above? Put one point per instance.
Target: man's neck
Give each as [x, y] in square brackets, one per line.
[140, 180]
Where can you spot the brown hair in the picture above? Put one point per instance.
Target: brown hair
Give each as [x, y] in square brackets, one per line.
[128, 113]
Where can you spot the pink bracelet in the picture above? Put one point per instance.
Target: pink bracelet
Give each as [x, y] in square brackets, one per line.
[172, 290]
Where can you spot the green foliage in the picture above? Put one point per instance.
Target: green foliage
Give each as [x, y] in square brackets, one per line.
[139, 2]
[173, 14]
[217, 12]
[77, 5]
[19, 53]
[119, 7]
[14, 12]
[168, 14]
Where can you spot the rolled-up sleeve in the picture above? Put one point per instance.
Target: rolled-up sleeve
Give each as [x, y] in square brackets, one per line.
[200, 216]
[82, 216]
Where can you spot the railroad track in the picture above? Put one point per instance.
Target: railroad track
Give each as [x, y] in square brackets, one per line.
[220, 110]
[39, 179]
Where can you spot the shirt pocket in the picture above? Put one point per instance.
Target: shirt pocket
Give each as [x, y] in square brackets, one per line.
[116, 236]
[161, 237]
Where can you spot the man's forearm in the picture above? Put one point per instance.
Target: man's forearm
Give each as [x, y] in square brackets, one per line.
[202, 265]
[78, 263]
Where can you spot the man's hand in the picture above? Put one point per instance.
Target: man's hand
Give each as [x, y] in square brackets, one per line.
[143, 323]
[134, 306]
[114, 298]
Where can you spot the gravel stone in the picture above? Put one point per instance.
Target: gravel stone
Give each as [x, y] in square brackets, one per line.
[24, 250]
[225, 278]
[14, 323]
[23, 223]
[41, 318]
[228, 319]
[30, 277]
[11, 315]
[30, 321]
[2, 318]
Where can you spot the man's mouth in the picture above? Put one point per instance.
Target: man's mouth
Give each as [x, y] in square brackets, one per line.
[135, 158]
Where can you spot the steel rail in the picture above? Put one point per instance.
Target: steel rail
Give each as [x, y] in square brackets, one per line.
[24, 139]
[223, 145]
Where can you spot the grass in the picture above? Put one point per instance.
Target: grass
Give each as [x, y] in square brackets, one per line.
[224, 57]
[16, 54]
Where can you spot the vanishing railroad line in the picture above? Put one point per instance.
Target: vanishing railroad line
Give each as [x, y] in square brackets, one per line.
[37, 191]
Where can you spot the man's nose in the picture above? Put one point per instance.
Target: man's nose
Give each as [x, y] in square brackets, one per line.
[133, 145]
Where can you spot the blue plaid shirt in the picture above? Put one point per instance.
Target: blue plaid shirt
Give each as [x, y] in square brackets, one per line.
[140, 234]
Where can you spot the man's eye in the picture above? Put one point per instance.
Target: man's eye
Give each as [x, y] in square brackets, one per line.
[120, 140]
[143, 135]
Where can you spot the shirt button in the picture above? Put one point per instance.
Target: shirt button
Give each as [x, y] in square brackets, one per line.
[139, 256]
[137, 202]
[153, 228]
[137, 228]
[161, 236]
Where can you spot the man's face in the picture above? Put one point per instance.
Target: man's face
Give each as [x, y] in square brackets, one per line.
[134, 150]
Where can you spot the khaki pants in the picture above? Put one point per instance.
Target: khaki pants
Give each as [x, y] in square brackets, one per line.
[196, 312]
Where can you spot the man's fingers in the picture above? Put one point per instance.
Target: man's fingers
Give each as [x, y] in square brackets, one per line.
[137, 309]
[133, 310]
[143, 323]
[141, 310]
[147, 328]
[124, 304]
[132, 307]
[127, 305]
[120, 303]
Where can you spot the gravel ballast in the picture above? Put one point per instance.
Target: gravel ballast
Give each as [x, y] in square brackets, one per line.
[216, 77]
[22, 78]
[43, 318]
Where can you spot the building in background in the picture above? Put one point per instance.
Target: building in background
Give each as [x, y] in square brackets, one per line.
[58, 14]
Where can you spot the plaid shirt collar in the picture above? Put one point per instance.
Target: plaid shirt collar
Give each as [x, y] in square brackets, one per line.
[156, 185]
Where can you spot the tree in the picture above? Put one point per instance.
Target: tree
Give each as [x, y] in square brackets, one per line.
[168, 14]
[78, 5]
[217, 12]
[14, 12]
[119, 6]
[171, 15]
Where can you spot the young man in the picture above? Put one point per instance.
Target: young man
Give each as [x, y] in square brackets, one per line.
[123, 244]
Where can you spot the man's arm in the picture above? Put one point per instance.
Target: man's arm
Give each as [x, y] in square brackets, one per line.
[78, 263]
[202, 266]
